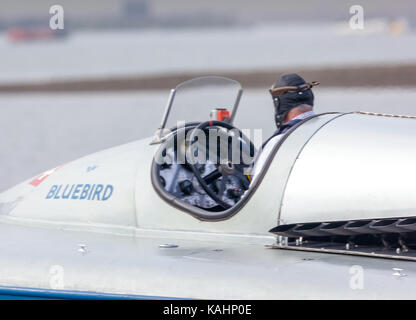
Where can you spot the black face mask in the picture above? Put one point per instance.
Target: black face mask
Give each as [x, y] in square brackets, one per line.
[285, 102]
[288, 92]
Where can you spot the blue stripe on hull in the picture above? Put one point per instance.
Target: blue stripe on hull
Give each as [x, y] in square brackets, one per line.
[16, 293]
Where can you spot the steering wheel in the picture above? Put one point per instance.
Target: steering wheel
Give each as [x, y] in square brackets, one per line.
[225, 167]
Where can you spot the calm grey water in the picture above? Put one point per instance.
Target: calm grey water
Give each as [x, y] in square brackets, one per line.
[41, 131]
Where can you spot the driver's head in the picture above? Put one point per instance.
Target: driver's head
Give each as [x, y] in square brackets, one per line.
[288, 92]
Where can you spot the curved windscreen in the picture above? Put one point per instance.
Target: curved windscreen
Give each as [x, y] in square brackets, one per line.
[193, 100]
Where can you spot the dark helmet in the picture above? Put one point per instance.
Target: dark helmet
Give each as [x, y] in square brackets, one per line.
[288, 92]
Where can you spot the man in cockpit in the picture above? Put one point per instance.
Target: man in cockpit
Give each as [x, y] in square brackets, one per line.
[293, 102]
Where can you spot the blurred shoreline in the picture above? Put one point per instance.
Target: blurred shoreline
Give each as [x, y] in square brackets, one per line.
[352, 76]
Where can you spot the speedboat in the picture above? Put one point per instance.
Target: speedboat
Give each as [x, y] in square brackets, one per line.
[332, 213]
